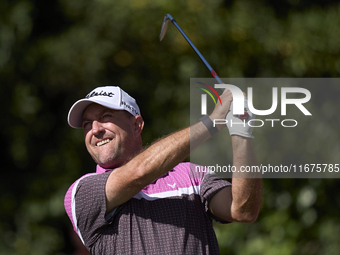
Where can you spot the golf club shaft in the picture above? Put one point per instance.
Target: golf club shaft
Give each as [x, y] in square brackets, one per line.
[212, 71]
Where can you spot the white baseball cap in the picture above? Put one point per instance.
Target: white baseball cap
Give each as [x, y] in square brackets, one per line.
[112, 97]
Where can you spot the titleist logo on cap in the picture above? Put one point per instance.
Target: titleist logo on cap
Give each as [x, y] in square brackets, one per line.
[101, 93]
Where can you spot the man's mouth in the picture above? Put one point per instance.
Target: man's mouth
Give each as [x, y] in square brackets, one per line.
[103, 142]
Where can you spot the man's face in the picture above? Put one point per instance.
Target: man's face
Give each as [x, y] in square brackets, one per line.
[110, 135]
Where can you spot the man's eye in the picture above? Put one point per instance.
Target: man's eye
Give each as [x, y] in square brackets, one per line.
[106, 116]
[86, 124]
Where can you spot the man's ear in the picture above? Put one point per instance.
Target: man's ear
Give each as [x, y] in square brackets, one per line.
[139, 125]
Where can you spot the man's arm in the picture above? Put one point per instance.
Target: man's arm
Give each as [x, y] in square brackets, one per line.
[126, 181]
[241, 202]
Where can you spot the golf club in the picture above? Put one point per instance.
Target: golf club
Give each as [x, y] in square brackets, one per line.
[212, 71]
[162, 34]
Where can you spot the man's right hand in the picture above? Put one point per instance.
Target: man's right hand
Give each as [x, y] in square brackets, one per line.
[221, 111]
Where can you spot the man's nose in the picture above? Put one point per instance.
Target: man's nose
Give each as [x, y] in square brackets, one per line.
[97, 127]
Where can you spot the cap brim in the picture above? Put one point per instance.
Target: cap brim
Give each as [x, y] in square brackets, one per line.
[75, 115]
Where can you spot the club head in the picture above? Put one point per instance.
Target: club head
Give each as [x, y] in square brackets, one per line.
[165, 25]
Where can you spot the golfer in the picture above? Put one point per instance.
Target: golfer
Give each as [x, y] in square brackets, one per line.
[145, 201]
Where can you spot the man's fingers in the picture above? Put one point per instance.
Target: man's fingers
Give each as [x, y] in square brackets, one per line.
[227, 95]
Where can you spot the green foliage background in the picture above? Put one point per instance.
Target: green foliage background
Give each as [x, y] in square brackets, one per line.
[54, 52]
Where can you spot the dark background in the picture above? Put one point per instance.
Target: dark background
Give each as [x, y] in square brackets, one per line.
[53, 53]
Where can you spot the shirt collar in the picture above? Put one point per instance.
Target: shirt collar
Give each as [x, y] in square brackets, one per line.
[101, 170]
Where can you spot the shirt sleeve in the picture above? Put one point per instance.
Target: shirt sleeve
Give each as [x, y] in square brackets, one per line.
[210, 185]
[88, 207]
